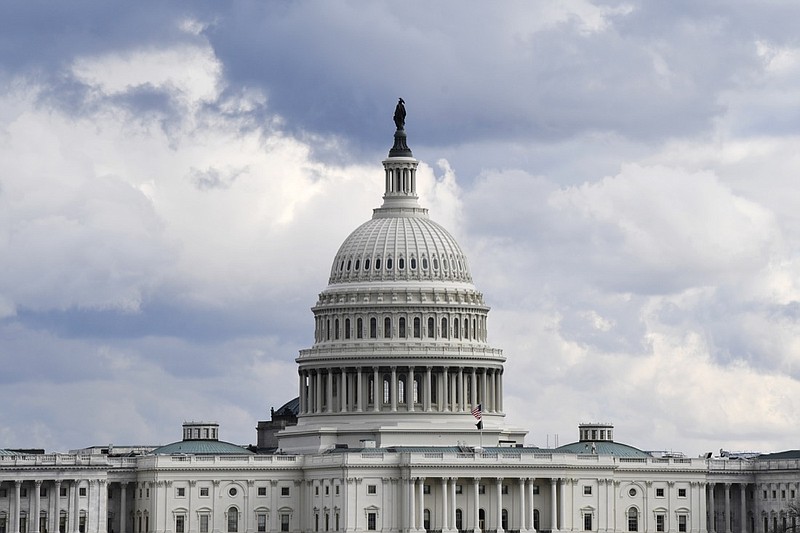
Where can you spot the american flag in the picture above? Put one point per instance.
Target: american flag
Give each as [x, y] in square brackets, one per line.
[476, 412]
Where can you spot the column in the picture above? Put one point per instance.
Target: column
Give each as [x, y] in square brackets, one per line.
[15, 516]
[445, 514]
[428, 382]
[412, 496]
[410, 388]
[360, 390]
[36, 507]
[343, 388]
[712, 527]
[499, 490]
[393, 389]
[531, 505]
[445, 393]
[482, 398]
[522, 524]
[302, 390]
[376, 391]
[452, 520]
[318, 391]
[553, 504]
[477, 504]
[90, 494]
[500, 392]
[123, 508]
[329, 392]
[743, 507]
[460, 389]
[57, 506]
[727, 508]
[421, 505]
[102, 506]
[72, 524]
[473, 388]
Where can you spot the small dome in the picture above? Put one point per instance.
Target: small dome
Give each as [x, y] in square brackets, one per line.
[201, 447]
[408, 246]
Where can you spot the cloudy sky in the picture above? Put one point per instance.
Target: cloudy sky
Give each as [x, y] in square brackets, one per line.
[176, 178]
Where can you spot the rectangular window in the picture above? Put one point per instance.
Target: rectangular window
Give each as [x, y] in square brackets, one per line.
[327, 490]
[3, 493]
[481, 489]
[261, 522]
[180, 492]
[284, 491]
[459, 489]
[337, 493]
[316, 490]
[659, 522]
[284, 522]
[793, 494]
[681, 493]
[146, 493]
[587, 522]
[765, 494]
[316, 522]
[203, 523]
[372, 489]
[372, 521]
[659, 493]
[504, 489]
[23, 492]
[82, 491]
[262, 491]
[426, 489]
[536, 489]
[587, 490]
[43, 492]
[82, 524]
[204, 491]
[336, 516]
[774, 494]
[783, 494]
[179, 523]
[63, 492]
[682, 523]
[23, 524]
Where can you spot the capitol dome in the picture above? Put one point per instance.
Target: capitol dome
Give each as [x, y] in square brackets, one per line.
[397, 248]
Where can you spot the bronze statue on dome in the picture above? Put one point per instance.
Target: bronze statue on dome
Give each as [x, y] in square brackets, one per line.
[400, 114]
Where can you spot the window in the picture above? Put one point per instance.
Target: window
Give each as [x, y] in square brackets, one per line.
[632, 492]
[62, 522]
[203, 523]
[180, 523]
[327, 522]
[4, 493]
[459, 489]
[459, 519]
[372, 489]
[424, 263]
[327, 490]
[262, 491]
[387, 328]
[682, 523]
[284, 491]
[659, 522]
[444, 328]
[504, 490]
[426, 519]
[681, 493]
[316, 490]
[481, 490]
[336, 490]
[587, 490]
[633, 519]
[232, 491]
[587, 522]
[81, 525]
[536, 490]
[372, 521]
[204, 491]
[659, 493]
[536, 519]
[346, 328]
[43, 492]
[774, 494]
[285, 517]
[316, 521]
[366, 264]
[765, 494]
[426, 489]
[373, 328]
[81, 492]
[417, 328]
[504, 519]
[180, 492]
[336, 517]
[783, 494]
[261, 522]
[336, 329]
[23, 523]
[63, 492]
[401, 328]
[431, 328]
[359, 328]
[377, 263]
[23, 492]
[388, 263]
[233, 520]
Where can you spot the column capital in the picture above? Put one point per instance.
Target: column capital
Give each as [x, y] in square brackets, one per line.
[37, 482]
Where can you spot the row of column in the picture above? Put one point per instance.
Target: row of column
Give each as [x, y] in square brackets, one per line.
[459, 327]
[92, 517]
[448, 389]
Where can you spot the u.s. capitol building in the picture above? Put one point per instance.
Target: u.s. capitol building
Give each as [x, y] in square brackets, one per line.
[398, 427]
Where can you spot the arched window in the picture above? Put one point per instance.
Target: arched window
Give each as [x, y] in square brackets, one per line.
[388, 263]
[455, 328]
[328, 329]
[401, 389]
[416, 390]
[346, 328]
[401, 263]
[366, 263]
[426, 519]
[359, 328]
[386, 390]
[233, 520]
[349, 264]
[417, 327]
[481, 519]
[358, 264]
[424, 263]
[435, 263]
[633, 519]
[336, 329]
[466, 328]
[434, 397]
[401, 328]
[371, 390]
[377, 263]
[431, 328]
[459, 519]
[444, 328]
[387, 328]
[373, 328]
[536, 519]
[504, 519]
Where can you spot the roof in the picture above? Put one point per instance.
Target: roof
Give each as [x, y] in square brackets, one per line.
[602, 447]
[292, 407]
[788, 454]
[201, 447]
[8, 453]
